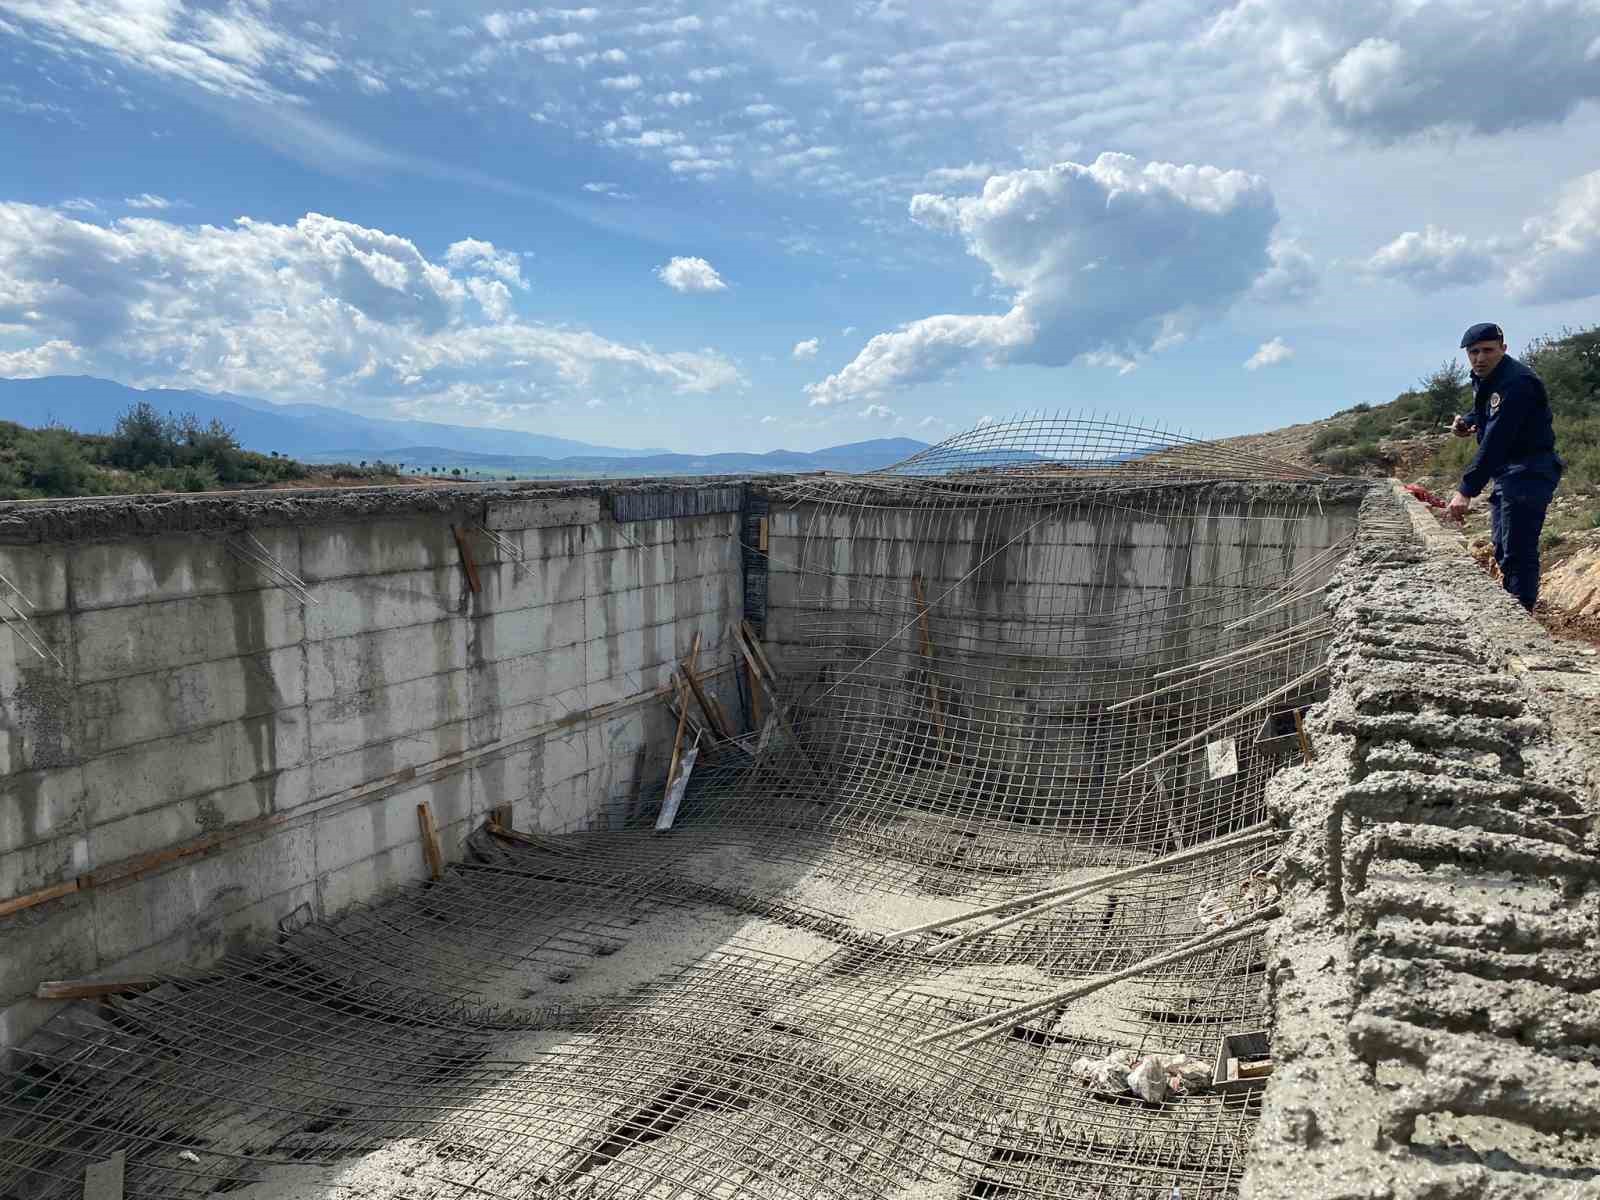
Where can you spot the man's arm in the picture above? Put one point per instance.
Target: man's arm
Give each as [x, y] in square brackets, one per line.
[1517, 400]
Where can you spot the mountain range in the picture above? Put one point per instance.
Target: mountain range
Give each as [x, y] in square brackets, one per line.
[317, 433]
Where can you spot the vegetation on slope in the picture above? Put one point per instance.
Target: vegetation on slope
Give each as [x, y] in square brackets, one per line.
[147, 452]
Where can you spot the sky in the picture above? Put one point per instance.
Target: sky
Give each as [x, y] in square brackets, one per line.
[755, 224]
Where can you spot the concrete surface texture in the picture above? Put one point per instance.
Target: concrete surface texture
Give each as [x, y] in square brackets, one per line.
[1437, 1030]
[199, 697]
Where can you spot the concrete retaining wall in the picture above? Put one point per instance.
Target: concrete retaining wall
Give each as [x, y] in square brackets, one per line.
[200, 699]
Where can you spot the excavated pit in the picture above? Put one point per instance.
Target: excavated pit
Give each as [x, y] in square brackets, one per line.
[1016, 667]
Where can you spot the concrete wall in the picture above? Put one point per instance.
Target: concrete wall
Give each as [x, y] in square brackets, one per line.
[201, 698]
[1040, 615]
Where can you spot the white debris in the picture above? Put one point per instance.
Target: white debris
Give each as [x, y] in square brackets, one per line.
[1213, 911]
[188, 1156]
[1148, 1079]
[1186, 1075]
[1108, 1074]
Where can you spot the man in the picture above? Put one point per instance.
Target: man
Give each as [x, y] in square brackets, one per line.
[1516, 450]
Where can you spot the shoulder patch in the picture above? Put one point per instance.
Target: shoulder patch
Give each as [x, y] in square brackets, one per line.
[1494, 401]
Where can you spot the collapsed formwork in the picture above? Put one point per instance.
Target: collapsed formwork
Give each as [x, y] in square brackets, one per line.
[1039, 653]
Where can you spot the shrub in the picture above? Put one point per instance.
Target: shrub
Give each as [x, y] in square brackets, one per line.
[1350, 459]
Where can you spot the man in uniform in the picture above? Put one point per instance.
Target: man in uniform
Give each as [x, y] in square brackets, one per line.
[1516, 450]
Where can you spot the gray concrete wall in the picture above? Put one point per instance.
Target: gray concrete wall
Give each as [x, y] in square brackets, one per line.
[200, 698]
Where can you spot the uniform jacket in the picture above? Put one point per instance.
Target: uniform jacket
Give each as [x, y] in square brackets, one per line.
[1516, 439]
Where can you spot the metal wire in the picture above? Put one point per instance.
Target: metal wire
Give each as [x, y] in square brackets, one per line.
[722, 1011]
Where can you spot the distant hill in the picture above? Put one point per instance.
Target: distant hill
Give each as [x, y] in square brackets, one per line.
[318, 434]
[856, 456]
[303, 431]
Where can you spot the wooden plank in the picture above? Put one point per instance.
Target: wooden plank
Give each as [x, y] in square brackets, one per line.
[42, 896]
[714, 720]
[674, 796]
[683, 719]
[85, 989]
[502, 816]
[1305, 738]
[430, 841]
[761, 656]
[754, 685]
[103, 1180]
[761, 534]
[468, 564]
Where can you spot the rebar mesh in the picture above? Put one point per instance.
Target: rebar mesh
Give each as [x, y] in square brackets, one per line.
[722, 1011]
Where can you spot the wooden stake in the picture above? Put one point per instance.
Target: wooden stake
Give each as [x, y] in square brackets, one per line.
[754, 685]
[927, 657]
[430, 841]
[42, 896]
[761, 534]
[86, 989]
[502, 816]
[474, 584]
[683, 719]
[713, 716]
[1305, 738]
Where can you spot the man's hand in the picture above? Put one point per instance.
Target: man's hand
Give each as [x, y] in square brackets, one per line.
[1459, 427]
[1456, 510]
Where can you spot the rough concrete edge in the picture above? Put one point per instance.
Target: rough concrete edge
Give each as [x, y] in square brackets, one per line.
[89, 518]
[1320, 1092]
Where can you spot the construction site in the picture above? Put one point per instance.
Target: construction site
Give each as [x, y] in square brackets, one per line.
[1072, 810]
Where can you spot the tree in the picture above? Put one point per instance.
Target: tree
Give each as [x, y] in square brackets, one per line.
[143, 438]
[56, 465]
[1444, 389]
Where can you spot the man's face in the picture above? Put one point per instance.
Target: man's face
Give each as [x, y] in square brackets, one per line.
[1485, 356]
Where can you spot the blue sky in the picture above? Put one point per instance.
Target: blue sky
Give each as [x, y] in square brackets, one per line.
[755, 224]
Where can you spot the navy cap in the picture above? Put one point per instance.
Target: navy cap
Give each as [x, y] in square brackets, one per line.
[1483, 331]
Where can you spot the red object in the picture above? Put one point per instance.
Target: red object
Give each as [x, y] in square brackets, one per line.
[1423, 494]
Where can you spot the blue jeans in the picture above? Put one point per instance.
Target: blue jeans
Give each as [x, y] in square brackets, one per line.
[1516, 518]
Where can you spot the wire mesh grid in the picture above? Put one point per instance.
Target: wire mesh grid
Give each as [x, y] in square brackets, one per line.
[983, 683]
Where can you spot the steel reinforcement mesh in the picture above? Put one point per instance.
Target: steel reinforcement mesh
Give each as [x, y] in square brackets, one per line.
[997, 677]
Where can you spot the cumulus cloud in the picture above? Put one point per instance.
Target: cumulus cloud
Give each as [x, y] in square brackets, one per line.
[1431, 260]
[807, 348]
[318, 308]
[1290, 279]
[684, 274]
[1387, 69]
[1560, 258]
[1269, 354]
[485, 258]
[623, 83]
[1114, 259]
[45, 359]
[879, 412]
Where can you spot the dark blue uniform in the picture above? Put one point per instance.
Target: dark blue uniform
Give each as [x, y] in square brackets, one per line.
[1517, 451]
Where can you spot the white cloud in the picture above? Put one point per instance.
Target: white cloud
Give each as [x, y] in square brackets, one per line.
[1561, 255]
[967, 176]
[1290, 279]
[79, 204]
[878, 412]
[676, 99]
[235, 51]
[769, 419]
[1111, 259]
[623, 83]
[609, 190]
[807, 348]
[45, 359]
[847, 331]
[1386, 68]
[1269, 354]
[683, 274]
[146, 200]
[484, 258]
[320, 309]
[1431, 260]
[931, 423]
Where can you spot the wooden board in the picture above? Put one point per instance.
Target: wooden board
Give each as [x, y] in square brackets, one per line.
[468, 564]
[42, 896]
[84, 989]
[430, 841]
